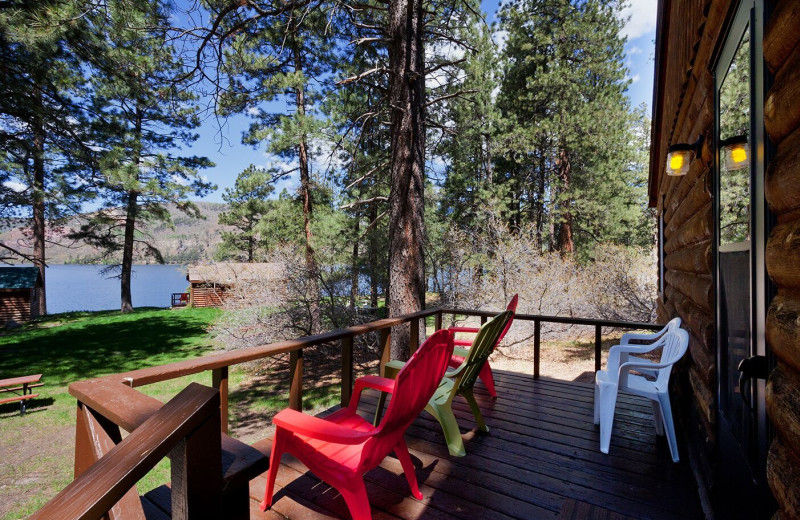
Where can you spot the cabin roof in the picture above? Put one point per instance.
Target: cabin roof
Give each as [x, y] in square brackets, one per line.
[18, 277]
[230, 273]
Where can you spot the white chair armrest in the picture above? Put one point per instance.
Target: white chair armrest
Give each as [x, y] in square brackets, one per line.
[628, 336]
[618, 354]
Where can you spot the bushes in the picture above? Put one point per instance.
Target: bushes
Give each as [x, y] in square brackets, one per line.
[485, 272]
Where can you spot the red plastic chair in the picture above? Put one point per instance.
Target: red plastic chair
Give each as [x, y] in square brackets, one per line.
[461, 353]
[340, 448]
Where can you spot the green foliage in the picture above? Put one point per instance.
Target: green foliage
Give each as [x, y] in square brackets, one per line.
[143, 115]
[247, 205]
[569, 141]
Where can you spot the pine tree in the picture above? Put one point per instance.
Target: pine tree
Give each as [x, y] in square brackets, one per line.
[280, 57]
[247, 205]
[145, 116]
[571, 138]
[42, 141]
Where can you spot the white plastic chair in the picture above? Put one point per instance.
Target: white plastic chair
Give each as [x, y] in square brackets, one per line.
[608, 383]
[617, 357]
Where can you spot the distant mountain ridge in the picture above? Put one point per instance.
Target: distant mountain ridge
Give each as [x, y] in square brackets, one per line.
[190, 241]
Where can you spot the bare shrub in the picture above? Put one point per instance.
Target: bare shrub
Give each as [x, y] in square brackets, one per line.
[621, 285]
[485, 273]
[263, 312]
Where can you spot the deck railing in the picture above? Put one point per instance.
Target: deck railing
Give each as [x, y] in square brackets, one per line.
[127, 408]
[186, 428]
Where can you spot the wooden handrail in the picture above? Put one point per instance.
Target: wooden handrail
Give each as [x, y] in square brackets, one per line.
[156, 374]
[102, 485]
[116, 401]
[567, 320]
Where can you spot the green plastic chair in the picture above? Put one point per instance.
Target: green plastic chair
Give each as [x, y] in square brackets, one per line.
[458, 381]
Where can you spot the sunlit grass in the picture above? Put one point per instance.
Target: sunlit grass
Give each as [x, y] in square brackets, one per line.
[38, 448]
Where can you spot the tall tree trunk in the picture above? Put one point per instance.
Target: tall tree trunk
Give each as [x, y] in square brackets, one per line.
[250, 241]
[354, 264]
[406, 198]
[540, 202]
[565, 243]
[131, 210]
[373, 259]
[131, 214]
[305, 188]
[39, 258]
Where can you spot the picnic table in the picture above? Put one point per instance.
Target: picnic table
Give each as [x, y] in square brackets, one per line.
[17, 384]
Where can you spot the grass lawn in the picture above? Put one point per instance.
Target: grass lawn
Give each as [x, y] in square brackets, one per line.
[37, 449]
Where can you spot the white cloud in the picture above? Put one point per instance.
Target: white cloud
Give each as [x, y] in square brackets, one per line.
[634, 79]
[500, 38]
[642, 20]
[253, 111]
[177, 179]
[15, 186]
[634, 50]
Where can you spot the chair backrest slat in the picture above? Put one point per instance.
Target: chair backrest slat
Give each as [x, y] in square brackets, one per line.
[417, 381]
[676, 342]
[483, 345]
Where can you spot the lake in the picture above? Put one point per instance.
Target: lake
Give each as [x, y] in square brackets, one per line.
[85, 288]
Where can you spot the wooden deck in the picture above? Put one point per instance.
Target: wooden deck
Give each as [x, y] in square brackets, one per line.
[540, 461]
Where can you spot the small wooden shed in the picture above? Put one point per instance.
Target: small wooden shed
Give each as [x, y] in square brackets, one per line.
[727, 75]
[211, 284]
[20, 288]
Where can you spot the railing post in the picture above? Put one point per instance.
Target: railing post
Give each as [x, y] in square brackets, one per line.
[219, 380]
[437, 321]
[347, 369]
[537, 346]
[413, 336]
[598, 343]
[385, 347]
[296, 380]
[196, 464]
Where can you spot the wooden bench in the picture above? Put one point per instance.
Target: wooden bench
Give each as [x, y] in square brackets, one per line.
[17, 384]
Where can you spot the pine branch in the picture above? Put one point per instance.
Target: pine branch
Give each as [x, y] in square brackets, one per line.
[363, 75]
[365, 201]
[443, 65]
[449, 96]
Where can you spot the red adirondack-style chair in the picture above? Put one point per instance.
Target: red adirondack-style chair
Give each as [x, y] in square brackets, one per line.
[461, 353]
[340, 448]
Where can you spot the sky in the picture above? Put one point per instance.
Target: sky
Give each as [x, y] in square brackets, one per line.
[223, 146]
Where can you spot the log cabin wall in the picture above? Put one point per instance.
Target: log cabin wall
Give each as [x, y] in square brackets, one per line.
[15, 305]
[782, 190]
[207, 295]
[683, 110]
[683, 113]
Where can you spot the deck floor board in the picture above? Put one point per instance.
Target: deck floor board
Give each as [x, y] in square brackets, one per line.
[540, 460]
[540, 457]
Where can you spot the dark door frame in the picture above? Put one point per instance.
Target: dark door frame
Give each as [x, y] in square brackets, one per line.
[749, 16]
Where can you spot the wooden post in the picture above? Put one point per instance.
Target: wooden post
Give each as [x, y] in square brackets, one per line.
[197, 473]
[437, 324]
[219, 380]
[598, 343]
[94, 437]
[537, 346]
[347, 370]
[413, 337]
[385, 346]
[296, 380]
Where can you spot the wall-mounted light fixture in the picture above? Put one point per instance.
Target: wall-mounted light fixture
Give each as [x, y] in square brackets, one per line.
[736, 152]
[680, 156]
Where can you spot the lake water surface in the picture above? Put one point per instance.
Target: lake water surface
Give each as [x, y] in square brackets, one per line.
[85, 288]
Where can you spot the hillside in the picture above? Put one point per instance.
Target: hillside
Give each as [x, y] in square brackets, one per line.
[188, 241]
